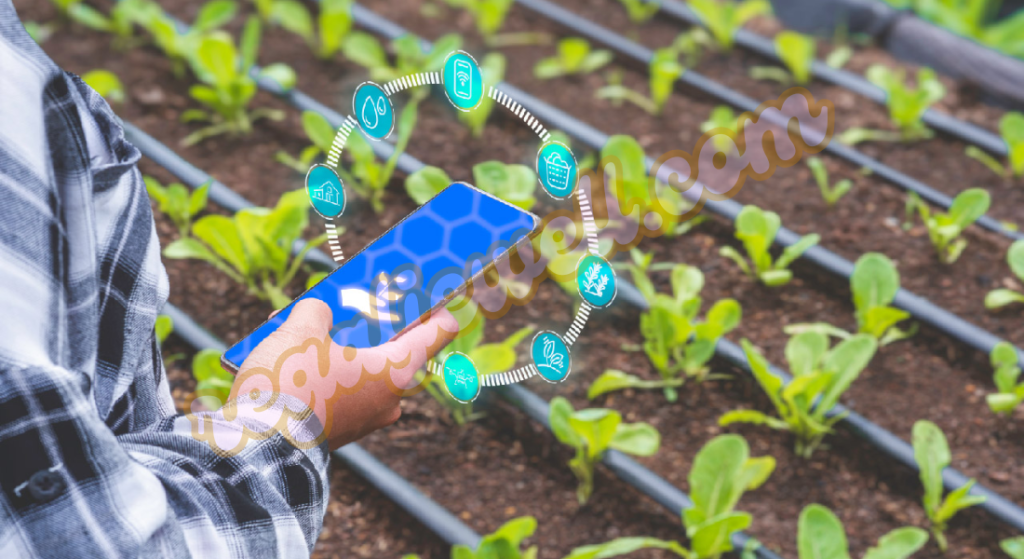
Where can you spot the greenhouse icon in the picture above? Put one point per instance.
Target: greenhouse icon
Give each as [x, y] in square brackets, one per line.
[328, 193]
[556, 172]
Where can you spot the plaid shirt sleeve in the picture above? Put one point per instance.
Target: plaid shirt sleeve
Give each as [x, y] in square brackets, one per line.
[94, 462]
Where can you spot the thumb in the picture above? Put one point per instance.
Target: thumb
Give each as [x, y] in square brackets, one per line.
[308, 319]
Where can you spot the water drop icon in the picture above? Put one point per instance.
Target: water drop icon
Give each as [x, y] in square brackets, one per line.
[372, 112]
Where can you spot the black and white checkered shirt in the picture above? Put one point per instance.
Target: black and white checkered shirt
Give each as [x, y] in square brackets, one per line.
[94, 462]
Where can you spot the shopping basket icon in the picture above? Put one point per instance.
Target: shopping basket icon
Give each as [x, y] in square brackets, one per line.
[556, 171]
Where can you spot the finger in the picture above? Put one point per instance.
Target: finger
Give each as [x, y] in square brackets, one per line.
[308, 319]
[417, 345]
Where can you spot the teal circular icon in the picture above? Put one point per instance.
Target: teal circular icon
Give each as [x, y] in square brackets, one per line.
[373, 110]
[325, 191]
[557, 170]
[551, 356]
[460, 377]
[595, 280]
[462, 81]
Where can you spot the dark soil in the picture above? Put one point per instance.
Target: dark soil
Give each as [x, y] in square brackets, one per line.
[504, 465]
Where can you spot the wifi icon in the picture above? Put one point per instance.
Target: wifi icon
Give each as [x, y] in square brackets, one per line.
[462, 80]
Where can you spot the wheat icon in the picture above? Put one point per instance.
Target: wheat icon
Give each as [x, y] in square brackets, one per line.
[552, 359]
[594, 281]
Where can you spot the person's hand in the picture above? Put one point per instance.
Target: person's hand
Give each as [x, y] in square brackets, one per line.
[352, 392]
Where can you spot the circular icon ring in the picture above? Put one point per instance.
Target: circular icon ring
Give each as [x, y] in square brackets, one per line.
[557, 170]
[595, 280]
[460, 377]
[373, 110]
[463, 82]
[326, 191]
[551, 356]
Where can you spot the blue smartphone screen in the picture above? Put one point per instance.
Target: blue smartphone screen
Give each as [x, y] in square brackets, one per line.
[411, 269]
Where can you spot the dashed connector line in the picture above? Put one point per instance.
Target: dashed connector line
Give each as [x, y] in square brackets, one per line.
[588, 223]
[510, 377]
[332, 240]
[340, 137]
[414, 80]
[577, 324]
[520, 111]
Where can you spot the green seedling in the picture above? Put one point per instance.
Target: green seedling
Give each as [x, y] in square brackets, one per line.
[1006, 363]
[820, 377]
[229, 87]
[326, 34]
[320, 133]
[106, 83]
[796, 51]
[839, 56]
[253, 248]
[756, 228]
[1014, 547]
[175, 201]
[574, 57]
[691, 44]
[181, 45]
[514, 184]
[504, 543]
[721, 473]
[367, 177]
[592, 432]
[906, 106]
[931, 451]
[874, 283]
[213, 383]
[830, 193]
[944, 229]
[722, 116]
[634, 192]
[999, 298]
[820, 535]
[489, 15]
[492, 72]
[1011, 128]
[677, 344]
[664, 68]
[640, 11]
[410, 58]
[724, 19]
[124, 15]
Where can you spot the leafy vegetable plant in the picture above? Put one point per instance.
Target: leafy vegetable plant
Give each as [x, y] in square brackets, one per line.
[492, 72]
[254, 247]
[931, 451]
[181, 46]
[756, 228]
[592, 432]
[513, 183]
[574, 57]
[177, 203]
[228, 86]
[944, 229]
[213, 383]
[797, 52]
[721, 473]
[640, 11]
[1006, 362]
[874, 284]
[820, 377]
[678, 345]
[820, 535]
[106, 83]
[488, 14]
[320, 133]
[999, 298]
[663, 69]
[722, 116]
[333, 23]
[368, 177]
[830, 193]
[906, 105]
[121, 21]
[410, 58]
[1011, 128]
[724, 19]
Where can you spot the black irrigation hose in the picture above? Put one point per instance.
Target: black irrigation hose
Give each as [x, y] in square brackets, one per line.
[725, 94]
[966, 131]
[886, 441]
[432, 515]
[919, 307]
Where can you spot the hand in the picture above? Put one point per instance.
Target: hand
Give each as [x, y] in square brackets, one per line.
[356, 391]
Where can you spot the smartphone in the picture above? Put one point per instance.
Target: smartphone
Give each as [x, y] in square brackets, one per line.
[463, 79]
[417, 266]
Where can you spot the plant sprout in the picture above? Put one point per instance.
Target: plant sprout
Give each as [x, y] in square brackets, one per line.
[180, 45]
[796, 51]
[820, 535]
[906, 105]
[410, 57]
[999, 298]
[664, 69]
[1011, 128]
[574, 57]
[175, 201]
[368, 177]
[722, 116]
[725, 18]
[640, 11]
[756, 228]
[944, 229]
[124, 15]
[326, 35]
[1006, 363]
[931, 452]
[831, 194]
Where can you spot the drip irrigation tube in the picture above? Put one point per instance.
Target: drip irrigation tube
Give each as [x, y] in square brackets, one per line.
[877, 436]
[948, 124]
[725, 94]
[432, 515]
